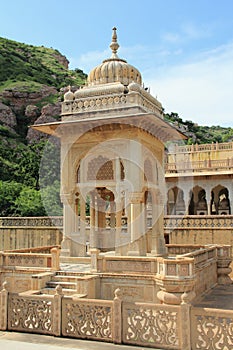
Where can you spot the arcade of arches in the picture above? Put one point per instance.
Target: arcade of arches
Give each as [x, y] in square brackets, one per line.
[199, 201]
[199, 179]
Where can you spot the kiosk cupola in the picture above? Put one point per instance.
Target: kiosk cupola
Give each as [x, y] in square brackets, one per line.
[114, 69]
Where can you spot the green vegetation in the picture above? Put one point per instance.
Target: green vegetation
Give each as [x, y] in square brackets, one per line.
[200, 134]
[21, 63]
[29, 180]
[30, 173]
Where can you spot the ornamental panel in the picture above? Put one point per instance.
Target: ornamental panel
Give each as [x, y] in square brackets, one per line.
[151, 325]
[211, 329]
[30, 314]
[87, 319]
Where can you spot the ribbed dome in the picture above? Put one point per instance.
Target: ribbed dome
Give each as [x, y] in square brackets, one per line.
[114, 69]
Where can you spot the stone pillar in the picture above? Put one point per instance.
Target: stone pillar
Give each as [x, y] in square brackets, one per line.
[82, 233]
[118, 226]
[230, 196]
[185, 322]
[92, 221]
[68, 222]
[186, 201]
[117, 317]
[57, 311]
[3, 307]
[55, 252]
[137, 245]
[94, 259]
[100, 222]
[208, 201]
[158, 247]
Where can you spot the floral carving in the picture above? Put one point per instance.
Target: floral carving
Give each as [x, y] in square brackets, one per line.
[87, 320]
[31, 315]
[213, 332]
[151, 325]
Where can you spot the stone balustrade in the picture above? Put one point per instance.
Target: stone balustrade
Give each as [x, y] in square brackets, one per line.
[199, 166]
[170, 221]
[178, 327]
[31, 222]
[110, 101]
[37, 260]
[198, 222]
[226, 146]
[192, 229]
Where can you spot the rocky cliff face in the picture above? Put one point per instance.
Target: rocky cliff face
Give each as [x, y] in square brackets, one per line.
[32, 83]
[7, 116]
[20, 98]
[29, 107]
[48, 114]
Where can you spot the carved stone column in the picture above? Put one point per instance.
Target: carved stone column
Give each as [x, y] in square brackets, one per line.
[186, 200]
[92, 221]
[137, 245]
[82, 236]
[208, 201]
[158, 247]
[118, 227]
[3, 307]
[230, 196]
[55, 252]
[68, 222]
[117, 317]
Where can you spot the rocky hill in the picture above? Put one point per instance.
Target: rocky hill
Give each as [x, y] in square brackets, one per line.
[32, 84]
[200, 134]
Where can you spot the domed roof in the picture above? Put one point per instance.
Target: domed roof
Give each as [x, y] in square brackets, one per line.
[114, 69]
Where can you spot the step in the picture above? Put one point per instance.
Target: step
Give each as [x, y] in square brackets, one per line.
[64, 278]
[63, 284]
[52, 291]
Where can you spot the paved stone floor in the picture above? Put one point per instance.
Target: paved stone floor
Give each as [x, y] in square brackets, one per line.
[220, 297]
[28, 341]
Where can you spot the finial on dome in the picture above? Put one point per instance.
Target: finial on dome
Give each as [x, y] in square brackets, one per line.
[114, 44]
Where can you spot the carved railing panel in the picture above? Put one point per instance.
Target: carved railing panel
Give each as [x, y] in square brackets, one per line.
[30, 314]
[211, 329]
[197, 166]
[89, 319]
[152, 325]
[198, 221]
[203, 147]
[56, 221]
[27, 260]
[173, 221]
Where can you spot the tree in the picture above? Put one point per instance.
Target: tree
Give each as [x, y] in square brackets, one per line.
[51, 199]
[9, 192]
[29, 203]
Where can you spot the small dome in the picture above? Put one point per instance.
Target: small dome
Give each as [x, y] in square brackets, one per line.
[134, 87]
[114, 69]
[69, 96]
